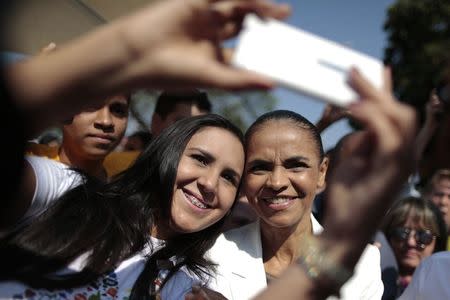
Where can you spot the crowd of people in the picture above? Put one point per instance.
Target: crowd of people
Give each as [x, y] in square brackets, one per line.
[164, 219]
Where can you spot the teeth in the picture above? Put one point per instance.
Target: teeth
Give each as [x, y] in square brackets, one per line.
[277, 200]
[196, 202]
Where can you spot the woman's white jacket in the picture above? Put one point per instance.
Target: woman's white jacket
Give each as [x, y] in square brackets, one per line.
[241, 275]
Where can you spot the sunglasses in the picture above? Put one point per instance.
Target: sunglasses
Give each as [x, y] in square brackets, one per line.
[423, 237]
[443, 93]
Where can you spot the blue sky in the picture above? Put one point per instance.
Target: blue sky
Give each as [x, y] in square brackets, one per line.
[356, 24]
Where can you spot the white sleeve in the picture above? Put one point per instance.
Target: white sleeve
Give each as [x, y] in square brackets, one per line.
[366, 281]
[52, 180]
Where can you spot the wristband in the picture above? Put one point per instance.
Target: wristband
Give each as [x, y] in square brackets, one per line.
[320, 267]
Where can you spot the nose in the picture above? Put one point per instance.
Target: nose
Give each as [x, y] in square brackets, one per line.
[411, 241]
[278, 179]
[208, 184]
[445, 200]
[104, 120]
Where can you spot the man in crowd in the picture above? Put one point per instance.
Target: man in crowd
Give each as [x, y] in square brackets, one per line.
[170, 107]
[438, 191]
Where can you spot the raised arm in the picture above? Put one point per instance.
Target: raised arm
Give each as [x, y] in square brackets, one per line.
[330, 115]
[171, 44]
[434, 109]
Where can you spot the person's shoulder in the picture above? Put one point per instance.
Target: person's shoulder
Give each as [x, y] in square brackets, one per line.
[434, 264]
[239, 232]
[239, 237]
[371, 251]
[41, 163]
[234, 240]
[440, 256]
[366, 281]
[369, 262]
[118, 161]
[42, 150]
[438, 260]
[430, 280]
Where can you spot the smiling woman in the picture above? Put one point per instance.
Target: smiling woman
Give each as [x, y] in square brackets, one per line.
[207, 181]
[285, 168]
[128, 237]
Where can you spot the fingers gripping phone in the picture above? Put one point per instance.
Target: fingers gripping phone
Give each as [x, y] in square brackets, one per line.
[302, 61]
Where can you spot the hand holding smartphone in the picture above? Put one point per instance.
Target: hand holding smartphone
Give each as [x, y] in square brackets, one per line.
[302, 61]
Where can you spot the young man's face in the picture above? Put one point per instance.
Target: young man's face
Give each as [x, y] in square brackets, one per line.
[440, 195]
[181, 111]
[94, 133]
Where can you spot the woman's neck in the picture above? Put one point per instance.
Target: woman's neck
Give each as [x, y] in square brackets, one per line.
[281, 245]
[92, 167]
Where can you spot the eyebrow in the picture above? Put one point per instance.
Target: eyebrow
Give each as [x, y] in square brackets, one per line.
[259, 162]
[296, 158]
[290, 159]
[120, 102]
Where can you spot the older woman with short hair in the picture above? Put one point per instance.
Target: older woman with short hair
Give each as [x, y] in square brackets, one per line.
[415, 229]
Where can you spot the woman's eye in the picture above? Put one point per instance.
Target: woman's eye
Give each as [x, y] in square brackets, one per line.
[297, 165]
[202, 160]
[230, 178]
[119, 109]
[258, 168]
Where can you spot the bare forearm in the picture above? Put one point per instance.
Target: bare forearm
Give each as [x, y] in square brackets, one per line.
[299, 281]
[294, 284]
[51, 87]
[423, 138]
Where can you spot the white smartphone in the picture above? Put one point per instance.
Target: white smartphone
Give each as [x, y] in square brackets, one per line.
[302, 61]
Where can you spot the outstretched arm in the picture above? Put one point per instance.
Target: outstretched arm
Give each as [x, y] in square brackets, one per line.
[171, 44]
[433, 110]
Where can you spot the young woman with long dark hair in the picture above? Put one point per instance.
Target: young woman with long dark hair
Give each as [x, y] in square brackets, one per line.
[127, 237]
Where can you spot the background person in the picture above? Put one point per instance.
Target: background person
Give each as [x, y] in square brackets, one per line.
[89, 136]
[414, 229]
[176, 105]
[50, 139]
[438, 192]
[137, 141]
[170, 107]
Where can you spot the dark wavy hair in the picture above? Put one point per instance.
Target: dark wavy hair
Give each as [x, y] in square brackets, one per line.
[112, 221]
[287, 115]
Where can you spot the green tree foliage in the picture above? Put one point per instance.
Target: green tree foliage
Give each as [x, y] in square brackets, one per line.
[418, 46]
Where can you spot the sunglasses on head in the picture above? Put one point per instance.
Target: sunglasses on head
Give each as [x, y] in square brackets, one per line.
[423, 237]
